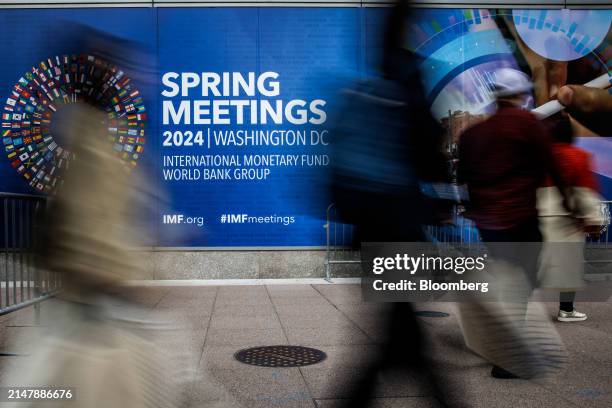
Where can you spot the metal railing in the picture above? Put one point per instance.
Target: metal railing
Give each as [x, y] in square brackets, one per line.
[338, 250]
[21, 283]
[461, 231]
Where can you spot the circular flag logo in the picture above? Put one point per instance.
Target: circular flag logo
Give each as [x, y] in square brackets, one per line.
[27, 131]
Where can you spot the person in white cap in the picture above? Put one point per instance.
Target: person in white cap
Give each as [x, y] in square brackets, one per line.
[503, 161]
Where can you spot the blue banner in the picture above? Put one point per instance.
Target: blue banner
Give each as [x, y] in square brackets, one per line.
[228, 112]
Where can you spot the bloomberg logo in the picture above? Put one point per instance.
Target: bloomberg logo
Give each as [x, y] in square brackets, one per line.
[182, 219]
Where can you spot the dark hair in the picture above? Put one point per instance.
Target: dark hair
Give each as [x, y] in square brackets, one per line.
[561, 129]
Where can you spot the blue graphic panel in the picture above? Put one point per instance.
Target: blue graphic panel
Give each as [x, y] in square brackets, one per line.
[59, 33]
[237, 104]
[563, 35]
[274, 74]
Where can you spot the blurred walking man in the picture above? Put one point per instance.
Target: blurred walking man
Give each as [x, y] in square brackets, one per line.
[503, 161]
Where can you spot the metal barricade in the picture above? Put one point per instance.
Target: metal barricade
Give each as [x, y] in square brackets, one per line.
[598, 254]
[339, 238]
[21, 284]
[461, 231]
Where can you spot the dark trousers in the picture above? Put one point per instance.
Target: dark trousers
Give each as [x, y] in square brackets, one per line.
[566, 301]
[404, 349]
[520, 245]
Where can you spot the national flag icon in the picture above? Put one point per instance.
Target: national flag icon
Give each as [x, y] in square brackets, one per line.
[6, 133]
[142, 116]
[7, 140]
[6, 116]
[11, 102]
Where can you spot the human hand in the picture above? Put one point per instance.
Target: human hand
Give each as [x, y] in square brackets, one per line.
[590, 106]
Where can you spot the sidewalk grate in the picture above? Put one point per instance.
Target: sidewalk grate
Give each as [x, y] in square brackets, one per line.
[280, 356]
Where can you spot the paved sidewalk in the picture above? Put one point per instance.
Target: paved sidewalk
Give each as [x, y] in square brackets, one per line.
[216, 322]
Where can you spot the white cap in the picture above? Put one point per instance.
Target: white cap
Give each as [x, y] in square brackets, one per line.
[508, 82]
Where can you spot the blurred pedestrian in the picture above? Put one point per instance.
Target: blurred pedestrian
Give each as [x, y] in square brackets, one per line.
[503, 161]
[564, 229]
[385, 143]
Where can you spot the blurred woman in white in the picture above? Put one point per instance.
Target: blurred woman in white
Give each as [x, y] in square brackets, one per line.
[564, 225]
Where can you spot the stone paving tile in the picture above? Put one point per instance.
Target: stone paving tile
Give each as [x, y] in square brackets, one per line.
[467, 387]
[147, 297]
[292, 290]
[184, 344]
[321, 309]
[221, 358]
[193, 291]
[413, 402]
[243, 310]
[333, 322]
[326, 336]
[19, 339]
[184, 321]
[341, 294]
[587, 381]
[254, 387]
[245, 337]
[347, 356]
[229, 299]
[245, 322]
[304, 302]
[339, 382]
[192, 303]
[586, 340]
[217, 322]
[245, 290]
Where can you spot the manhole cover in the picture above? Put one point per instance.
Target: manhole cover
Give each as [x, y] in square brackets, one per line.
[429, 313]
[280, 356]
